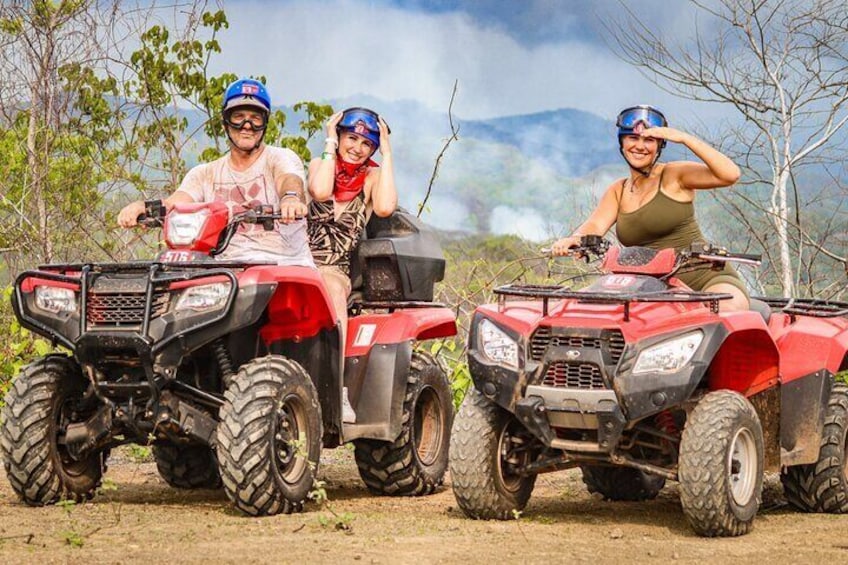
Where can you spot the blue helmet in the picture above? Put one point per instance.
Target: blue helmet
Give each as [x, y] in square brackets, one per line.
[362, 121]
[629, 118]
[247, 92]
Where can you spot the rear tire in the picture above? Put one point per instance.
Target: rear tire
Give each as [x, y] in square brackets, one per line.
[486, 445]
[269, 437]
[187, 466]
[721, 465]
[45, 397]
[415, 463]
[823, 486]
[622, 483]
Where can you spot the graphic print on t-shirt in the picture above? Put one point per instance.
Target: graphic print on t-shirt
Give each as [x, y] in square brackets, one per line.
[242, 195]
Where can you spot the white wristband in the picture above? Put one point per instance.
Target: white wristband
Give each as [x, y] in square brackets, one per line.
[335, 142]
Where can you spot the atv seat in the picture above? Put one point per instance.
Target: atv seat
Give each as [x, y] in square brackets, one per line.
[398, 259]
[762, 308]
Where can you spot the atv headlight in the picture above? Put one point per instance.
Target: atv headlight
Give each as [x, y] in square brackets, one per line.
[496, 345]
[54, 299]
[183, 229]
[205, 297]
[669, 356]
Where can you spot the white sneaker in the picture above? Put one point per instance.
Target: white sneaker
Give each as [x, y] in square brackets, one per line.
[348, 415]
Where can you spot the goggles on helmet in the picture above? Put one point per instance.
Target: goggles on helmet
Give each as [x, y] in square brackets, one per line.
[364, 122]
[630, 117]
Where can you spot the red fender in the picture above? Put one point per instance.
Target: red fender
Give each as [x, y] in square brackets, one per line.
[300, 306]
[367, 330]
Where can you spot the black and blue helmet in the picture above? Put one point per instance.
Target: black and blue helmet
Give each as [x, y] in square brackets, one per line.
[630, 117]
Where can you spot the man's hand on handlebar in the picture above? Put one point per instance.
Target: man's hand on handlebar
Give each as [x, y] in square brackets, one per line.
[292, 209]
[128, 216]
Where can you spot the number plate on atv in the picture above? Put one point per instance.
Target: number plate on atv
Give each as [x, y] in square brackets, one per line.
[172, 256]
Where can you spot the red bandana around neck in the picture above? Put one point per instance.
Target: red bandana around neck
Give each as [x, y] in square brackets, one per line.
[350, 179]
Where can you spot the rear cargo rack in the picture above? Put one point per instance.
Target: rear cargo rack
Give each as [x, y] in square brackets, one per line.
[548, 292]
[807, 307]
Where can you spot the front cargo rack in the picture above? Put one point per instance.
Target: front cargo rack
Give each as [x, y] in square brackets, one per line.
[549, 292]
[807, 306]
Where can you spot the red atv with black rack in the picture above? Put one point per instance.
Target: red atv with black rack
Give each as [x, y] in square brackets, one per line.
[636, 379]
[232, 370]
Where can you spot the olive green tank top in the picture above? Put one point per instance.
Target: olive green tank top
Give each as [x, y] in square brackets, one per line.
[660, 223]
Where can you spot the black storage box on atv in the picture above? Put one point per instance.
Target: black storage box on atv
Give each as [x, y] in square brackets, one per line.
[398, 259]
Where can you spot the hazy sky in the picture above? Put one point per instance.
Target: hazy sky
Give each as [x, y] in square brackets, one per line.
[509, 56]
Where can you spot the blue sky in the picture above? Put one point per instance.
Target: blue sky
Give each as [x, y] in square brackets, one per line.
[509, 56]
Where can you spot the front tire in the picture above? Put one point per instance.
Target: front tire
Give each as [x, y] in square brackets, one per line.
[721, 465]
[415, 463]
[45, 397]
[269, 437]
[488, 444]
[823, 486]
[187, 466]
[622, 483]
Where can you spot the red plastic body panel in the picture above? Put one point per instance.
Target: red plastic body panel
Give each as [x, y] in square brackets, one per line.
[368, 330]
[300, 307]
[215, 223]
[28, 284]
[661, 264]
[809, 344]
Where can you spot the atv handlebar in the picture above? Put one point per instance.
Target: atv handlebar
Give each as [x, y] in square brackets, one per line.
[710, 252]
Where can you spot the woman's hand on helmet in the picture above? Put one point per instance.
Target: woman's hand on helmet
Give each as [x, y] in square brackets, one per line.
[670, 134]
[332, 124]
[385, 148]
[563, 246]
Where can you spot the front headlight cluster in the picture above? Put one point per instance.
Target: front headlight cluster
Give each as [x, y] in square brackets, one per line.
[54, 299]
[183, 229]
[496, 345]
[204, 297]
[669, 356]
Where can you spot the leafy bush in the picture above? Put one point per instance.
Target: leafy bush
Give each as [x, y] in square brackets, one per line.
[18, 347]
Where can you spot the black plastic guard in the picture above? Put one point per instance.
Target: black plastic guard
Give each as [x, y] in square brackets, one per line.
[646, 394]
[376, 388]
[803, 405]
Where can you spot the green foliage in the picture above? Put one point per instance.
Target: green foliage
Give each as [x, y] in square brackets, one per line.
[458, 372]
[140, 453]
[18, 346]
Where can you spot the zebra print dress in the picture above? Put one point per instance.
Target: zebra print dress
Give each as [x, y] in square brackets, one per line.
[332, 238]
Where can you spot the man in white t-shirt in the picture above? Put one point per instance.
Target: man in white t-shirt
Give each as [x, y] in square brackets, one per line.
[251, 173]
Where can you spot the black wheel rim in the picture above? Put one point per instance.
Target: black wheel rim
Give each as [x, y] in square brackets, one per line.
[513, 453]
[429, 426]
[290, 440]
[64, 409]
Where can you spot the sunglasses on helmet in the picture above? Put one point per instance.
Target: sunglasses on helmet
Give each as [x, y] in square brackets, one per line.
[362, 119]
[651, 117]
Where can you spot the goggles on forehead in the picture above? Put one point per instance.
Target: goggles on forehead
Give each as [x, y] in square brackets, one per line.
[361, 120]
[651, 117]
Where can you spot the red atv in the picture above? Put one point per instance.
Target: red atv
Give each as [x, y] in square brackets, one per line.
[637, 379]
[232, 370]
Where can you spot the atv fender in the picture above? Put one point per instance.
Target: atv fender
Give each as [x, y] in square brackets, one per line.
[377, 358]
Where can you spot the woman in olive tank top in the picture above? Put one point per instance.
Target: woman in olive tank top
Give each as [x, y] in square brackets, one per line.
[653, 207]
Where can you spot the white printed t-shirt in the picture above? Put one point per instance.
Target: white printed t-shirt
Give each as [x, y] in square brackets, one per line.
[217, 181]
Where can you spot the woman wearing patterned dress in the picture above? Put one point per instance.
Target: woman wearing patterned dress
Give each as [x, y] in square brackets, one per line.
[346, 185]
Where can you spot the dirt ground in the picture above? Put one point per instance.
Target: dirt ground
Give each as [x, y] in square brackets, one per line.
[139, 518]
